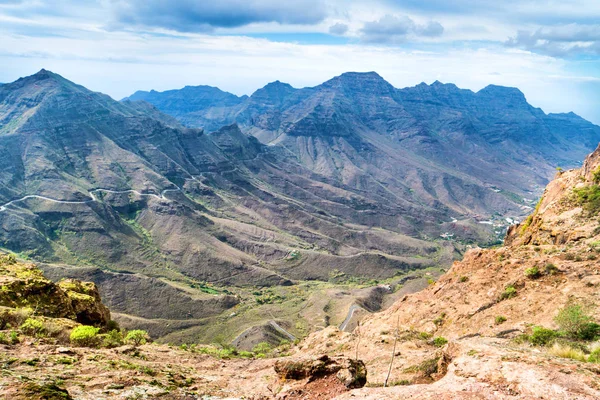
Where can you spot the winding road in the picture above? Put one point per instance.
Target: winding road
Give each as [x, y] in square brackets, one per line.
[351, 311]
[92, 195]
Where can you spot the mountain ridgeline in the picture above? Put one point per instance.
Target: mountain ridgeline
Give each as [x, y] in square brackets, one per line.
[349, 181]
[358, 125]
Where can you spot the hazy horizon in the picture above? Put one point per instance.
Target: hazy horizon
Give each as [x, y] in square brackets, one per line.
[549, 50]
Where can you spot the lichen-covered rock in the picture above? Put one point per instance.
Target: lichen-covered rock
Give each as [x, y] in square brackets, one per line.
[86, 302]
[23, 286]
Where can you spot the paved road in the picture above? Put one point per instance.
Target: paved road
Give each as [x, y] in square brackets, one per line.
[279, 329]
[92, 194]
[351, 311]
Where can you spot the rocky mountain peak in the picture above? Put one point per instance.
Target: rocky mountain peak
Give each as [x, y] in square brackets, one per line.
[363, 82]
[273, 93]
[503, 93]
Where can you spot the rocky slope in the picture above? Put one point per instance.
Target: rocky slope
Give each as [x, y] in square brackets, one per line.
[485, 305]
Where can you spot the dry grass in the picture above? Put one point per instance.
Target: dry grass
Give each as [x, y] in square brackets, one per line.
[566, 351]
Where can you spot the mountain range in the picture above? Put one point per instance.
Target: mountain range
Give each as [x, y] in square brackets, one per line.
[349, 181]
[358, 128]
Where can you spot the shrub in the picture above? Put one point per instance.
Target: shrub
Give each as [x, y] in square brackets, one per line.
[541, 336]
[508, 293]
[589, 198]
[424, 335]
[246, 354]
[594, 356]
[112, 325]
[464, 279]
[500, 319]
[137, 337]
[262, 348]
[440, 341]
[551, 269]
[576, 323]
[566, 351]
[429, 367]
[533, 272]
[85, 336]
[114, 338]
[33, 327]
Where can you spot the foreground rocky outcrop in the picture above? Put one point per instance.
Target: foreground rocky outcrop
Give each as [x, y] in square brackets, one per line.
[23, 286]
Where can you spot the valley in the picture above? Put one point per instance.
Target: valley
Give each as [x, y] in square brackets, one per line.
[304, 208]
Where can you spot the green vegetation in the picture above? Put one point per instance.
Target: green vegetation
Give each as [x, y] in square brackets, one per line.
[533, 272]
[439, 321]
[137, 337]
[113, 338]
[541, 336]
[440, 341]
[576, 323]
[464, 279]
[267, 296]
[10, 339]
[85, 336]
[508, 293]
[45, 391]
[588, 197]
[551, 269]
[33, 327]
[261, 349]
[526, 224]
[500, 319]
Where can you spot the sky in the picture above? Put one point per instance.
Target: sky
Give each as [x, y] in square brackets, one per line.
[550, 49]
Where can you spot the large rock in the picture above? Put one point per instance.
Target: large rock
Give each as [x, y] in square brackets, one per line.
[351, 373]
[25, 286]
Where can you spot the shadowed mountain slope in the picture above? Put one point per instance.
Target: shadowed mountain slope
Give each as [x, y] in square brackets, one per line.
[434, 139]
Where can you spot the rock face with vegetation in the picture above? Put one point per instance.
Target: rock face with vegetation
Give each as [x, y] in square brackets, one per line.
[23, 286]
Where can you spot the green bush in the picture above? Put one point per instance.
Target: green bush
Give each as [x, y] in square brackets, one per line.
[85, 336]
[551, 269]
[114, 338]
[500, 319]
[589, 198]
[137, 337]
[541, 336]
[11, 338]
[533, 272]
[508, 293]
[112, 326]
[576, 323]
[464, 279]
[262, 348]
[33, 327]
[594, 356]
[440, 341]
